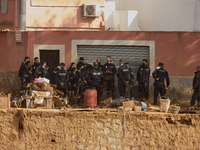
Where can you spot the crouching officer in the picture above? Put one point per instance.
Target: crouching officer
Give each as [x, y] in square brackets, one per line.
[96, 80]
[23, 74]
[143, 79]
[123, 78]
[196, 88]
[109, 71]
[62, 79]
[160, 75]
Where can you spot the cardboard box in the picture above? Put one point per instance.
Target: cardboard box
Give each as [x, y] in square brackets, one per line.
[5, 102]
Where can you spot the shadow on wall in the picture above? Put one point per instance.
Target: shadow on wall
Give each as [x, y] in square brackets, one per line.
[9, 81]
[179, 88]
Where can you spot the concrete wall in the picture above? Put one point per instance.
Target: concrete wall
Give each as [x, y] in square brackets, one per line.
[48, 15]
[164, 15]
[97, 130]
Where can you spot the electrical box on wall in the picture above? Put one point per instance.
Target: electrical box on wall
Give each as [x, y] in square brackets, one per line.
[90, 10]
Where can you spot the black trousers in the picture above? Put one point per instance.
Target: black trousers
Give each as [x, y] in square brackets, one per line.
[122, 90]
[64, 90]
[110, 85]
[143, 90]
[195, 96]
[98, 88]
[159, 88]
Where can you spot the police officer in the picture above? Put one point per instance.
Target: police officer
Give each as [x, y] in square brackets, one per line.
[70, 94]
[96, 80]
[86, 68]
[43, 73]
[196, 88]
[109, 71]
[23, 73]
[36, 66]
[75, 80]
[132, 80]
[100, 66]
[160, 75]
[143, 79]
[123, 78]
[62, 79]
[70, 68]
[81, 85]
[55, 71]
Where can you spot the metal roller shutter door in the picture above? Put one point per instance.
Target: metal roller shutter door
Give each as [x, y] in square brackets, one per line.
[132, 54]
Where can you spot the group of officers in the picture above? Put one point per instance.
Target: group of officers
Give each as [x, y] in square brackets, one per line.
[74, 80]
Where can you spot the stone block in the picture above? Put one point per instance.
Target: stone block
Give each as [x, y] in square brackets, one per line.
[175, 81]
[181, 81]
[180, 96]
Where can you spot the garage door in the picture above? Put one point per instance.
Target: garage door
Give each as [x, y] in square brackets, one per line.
[132, 54]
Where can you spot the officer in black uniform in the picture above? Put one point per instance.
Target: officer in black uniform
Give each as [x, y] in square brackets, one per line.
[81, 85]
[196, 88]
[62, 79]
[132, 80]
[36, 66]
[100, 66]
[160, 75]
[75, 80]
[43, 73]
[23, 72]
[96, 80]
[109, 71]
[86, 68]
[70, 93]
[123, 78]
[143, 79]
[47, 73]
[55, 71]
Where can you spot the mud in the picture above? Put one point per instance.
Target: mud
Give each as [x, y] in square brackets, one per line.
[22, 129]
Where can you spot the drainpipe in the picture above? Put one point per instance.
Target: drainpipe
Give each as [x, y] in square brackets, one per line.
[22, 14]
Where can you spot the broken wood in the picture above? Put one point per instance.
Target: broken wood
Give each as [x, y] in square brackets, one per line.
[54, 86]
[59, 92]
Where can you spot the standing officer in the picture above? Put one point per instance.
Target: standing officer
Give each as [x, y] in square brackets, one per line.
[55, 71]
[62, 79]
[35, 66]
[196, 88]
[86, 68]
[123, 78]
[160, 75]
[43, 73]
[109, 71]
[96, 80]
[132, 80]
[70, 94]
[143, 79]
[100, 66]
[23, 73]
[75, 80]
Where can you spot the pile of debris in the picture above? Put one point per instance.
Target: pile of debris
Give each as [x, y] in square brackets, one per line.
[40, 94]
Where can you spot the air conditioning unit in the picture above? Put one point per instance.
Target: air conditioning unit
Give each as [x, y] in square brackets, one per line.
[90, 10]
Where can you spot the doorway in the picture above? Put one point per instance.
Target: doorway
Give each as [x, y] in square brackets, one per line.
[52, 59]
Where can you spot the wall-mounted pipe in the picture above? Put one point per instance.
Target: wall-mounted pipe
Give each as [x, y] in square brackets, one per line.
[22, 14]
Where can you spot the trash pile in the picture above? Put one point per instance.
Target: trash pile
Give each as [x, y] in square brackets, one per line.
[40, 94]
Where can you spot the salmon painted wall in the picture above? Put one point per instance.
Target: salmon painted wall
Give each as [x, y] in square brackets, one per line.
[178, 50]
[62, 14]
[10, 20]
[12, 53]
